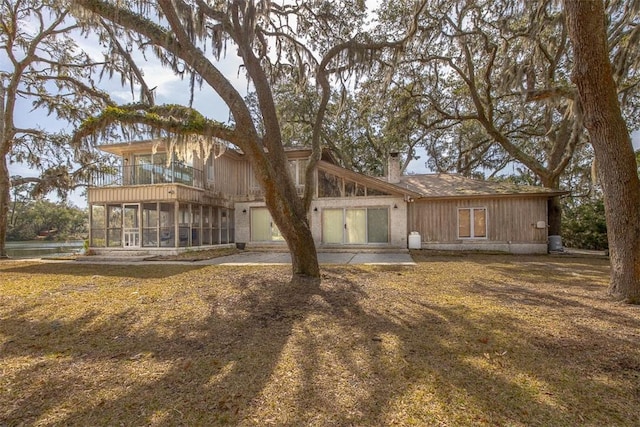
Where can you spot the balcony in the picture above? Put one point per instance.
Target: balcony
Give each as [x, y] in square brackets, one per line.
[149, 174]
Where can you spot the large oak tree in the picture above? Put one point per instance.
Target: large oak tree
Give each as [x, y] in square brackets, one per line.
[593, 76]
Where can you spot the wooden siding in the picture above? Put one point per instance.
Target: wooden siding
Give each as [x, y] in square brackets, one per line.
[509, 219]
[231, 176]
[146, 193]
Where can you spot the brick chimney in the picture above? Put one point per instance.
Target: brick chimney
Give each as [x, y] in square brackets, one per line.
[393, 168]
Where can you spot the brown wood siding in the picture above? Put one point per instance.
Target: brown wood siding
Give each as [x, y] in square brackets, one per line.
[146, 193]
[509, 219]
[231, 177]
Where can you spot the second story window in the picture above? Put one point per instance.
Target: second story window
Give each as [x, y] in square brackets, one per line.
[211, 171]
[297, 170]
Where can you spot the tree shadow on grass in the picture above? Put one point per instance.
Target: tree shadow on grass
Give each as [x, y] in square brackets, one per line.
[158, 270]
[349, 351]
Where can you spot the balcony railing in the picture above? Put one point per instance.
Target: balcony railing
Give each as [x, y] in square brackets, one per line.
[147, 174]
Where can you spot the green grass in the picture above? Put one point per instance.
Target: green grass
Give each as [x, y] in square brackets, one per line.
[466, 340]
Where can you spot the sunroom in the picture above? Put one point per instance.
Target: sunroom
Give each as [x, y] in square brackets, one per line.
[153, 201]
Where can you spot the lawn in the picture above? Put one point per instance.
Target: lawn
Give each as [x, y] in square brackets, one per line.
[472, 340]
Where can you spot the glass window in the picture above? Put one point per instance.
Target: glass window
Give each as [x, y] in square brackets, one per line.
[355, 230]
[166, 219]
[211, 172]
[98, 226]
[472, 223]
[196, 218]
[150, 224]
[332, 225]
[329, 185]
[98, 219]
[114, 225]
[184, 225]
[374, 192]
[480, 223]
[378, 225]
[353, 189]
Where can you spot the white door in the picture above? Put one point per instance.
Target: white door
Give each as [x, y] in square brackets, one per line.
[131, 226]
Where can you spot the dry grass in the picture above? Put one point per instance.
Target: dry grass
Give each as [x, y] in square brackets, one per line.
[196, 255]
[468, 340]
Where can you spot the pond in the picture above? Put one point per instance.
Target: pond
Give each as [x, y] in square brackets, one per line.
[38, 248]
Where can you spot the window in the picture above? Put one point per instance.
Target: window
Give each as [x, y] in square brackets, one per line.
[297, 170]
[114, 225]
[98, 226]
[472, 223]
[329, 185]
[150, 224]
[166, 219]
[211, 171]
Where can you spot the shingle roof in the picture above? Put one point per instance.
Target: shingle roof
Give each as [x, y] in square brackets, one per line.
[453, 186]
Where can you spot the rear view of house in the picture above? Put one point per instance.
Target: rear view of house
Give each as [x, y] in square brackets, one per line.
[157, 201]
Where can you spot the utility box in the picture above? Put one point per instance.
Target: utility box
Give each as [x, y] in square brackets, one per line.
[415, 241]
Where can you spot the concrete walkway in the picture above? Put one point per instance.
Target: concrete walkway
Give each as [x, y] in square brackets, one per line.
[267, 258]
[250, 258]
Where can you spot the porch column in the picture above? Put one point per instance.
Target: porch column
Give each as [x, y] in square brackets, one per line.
[176, 227]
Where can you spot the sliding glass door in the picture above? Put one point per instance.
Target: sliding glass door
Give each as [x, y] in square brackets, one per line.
[355, 226]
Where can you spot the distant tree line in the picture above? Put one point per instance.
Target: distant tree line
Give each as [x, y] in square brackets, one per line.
[31, 219]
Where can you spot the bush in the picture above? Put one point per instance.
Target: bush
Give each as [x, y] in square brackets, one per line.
[584, 225]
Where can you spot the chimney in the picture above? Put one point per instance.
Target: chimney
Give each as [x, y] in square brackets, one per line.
[393, 168]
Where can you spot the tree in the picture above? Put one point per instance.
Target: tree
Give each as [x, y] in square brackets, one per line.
[46, 69]
[584, 225]
[31, 218]
[593, 77]
[358, 128]
[298, 41]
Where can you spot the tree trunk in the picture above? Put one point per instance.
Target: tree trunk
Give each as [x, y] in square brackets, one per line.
[554, 206]
[5, 198]
[554, 216]
[291, 218]
[5, 187]
[286, 207]
[610, 138]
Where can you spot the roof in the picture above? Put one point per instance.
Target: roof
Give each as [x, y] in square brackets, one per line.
[439, 186]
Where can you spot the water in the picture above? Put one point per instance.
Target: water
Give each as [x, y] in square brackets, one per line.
[37, 249]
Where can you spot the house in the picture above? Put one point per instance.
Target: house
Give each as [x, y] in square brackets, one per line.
[157, 203]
